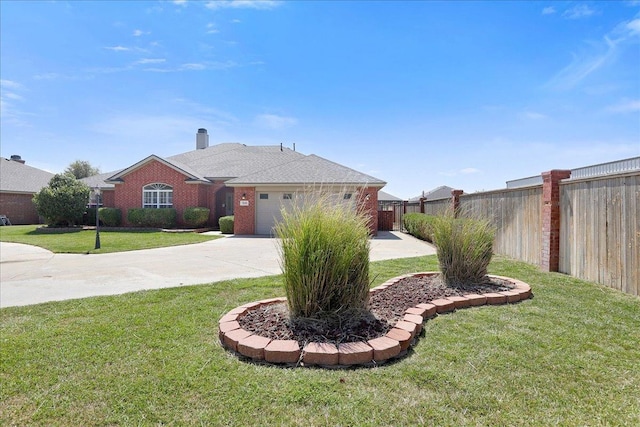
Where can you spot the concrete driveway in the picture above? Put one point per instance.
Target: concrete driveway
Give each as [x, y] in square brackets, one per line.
[32, 275]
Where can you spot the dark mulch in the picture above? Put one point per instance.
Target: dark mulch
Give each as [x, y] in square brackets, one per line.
[386, 307]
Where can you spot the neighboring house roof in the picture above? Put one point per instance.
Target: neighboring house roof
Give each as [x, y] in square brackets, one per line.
[307, 170]
[386, 197]
[16, 177]
[442, 192]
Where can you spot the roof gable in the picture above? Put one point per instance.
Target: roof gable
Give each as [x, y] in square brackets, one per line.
[186, 170]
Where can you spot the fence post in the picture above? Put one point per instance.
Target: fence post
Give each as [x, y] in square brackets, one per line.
[550, 256]
[455, 201]
[404, 206]
[422, 199]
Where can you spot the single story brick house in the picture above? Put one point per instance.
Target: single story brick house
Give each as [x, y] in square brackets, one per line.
[250, 182]
[18, 183]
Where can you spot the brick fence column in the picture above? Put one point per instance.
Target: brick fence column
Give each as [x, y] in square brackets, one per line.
[550, 256]
[455, 201]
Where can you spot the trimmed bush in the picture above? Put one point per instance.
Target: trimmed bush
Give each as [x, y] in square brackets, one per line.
[152, 218]
[196, 217]
[465, 248]
[226, 224]
[419, 225]
[63, 201]
[110, 217]
[324, 258]
[89, 217]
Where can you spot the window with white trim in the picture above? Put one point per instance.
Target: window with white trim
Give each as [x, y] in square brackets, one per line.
[157, 196]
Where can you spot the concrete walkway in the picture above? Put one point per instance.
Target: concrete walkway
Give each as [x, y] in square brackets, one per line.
[32, 275]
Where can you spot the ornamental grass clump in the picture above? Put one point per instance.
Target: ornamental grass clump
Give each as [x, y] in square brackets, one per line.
[465, 248]
[324, 258]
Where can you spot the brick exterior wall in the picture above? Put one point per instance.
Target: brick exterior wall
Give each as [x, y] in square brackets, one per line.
[128, 194]
[108, 198]
[550, 256]
[244, 221]
[19, 208]
[368, 204]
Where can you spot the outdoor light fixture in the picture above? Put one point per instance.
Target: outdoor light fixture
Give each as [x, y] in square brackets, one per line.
[368, 197]
[244, 196]
[97, 194]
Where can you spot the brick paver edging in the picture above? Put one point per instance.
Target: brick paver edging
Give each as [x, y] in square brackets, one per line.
[364, 353]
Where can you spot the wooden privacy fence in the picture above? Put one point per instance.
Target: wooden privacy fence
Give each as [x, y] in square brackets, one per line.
[600, 231]
[588, 228]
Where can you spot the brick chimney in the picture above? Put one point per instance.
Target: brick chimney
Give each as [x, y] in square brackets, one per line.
[202, 139]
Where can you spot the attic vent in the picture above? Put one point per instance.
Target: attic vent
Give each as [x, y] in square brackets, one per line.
[17, 158]
[202, 139]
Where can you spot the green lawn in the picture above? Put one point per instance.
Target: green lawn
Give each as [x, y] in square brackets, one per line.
[569, 356]
[83, 242]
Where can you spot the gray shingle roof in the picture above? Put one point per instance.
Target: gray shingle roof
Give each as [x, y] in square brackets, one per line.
[226, 161]
[307, 170]
[442, 192]
[386, 197]
[183, 168]
[16, 177]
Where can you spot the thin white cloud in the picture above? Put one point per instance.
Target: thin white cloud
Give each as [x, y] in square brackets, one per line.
[274, 121]
[151, 61]
[579, 11]
[10, 84]
[242, 4]
[463, 171]
[549, 10]
[118, 48]
[597, 56]
[533, 115]
[193, 66]
[180, 2]
[211, 29]
[138, 33]
[625, 107]
[235, 21]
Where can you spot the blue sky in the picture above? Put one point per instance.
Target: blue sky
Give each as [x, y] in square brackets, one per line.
[419, 94]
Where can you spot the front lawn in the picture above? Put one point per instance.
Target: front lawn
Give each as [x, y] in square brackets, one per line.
[83, 242]
[569, 356]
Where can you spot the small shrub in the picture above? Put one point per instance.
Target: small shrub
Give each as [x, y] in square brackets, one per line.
[196, 217]
[89, 217]
[419, 225]
[226, 224]
[63, 201]
[153, 218]
[110, 217]
[324, 258]
[465, 248]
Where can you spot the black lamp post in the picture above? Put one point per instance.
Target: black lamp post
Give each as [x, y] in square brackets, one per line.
[97, 192]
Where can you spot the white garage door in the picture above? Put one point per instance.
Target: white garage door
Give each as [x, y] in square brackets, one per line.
[269, 205]
[268, 208]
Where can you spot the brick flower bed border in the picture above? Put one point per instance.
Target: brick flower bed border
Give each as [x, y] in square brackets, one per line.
[373, 352]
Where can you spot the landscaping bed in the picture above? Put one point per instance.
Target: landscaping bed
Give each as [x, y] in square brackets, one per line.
[396, 312]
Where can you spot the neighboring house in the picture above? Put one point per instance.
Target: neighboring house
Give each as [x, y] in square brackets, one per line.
[442, 192]
[250, 182]
[18, 184]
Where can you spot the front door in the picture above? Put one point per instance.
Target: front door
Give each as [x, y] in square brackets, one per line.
[228, 203]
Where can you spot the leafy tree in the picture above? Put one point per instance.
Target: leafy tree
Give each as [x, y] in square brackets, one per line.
[63, 201]
[81, 169]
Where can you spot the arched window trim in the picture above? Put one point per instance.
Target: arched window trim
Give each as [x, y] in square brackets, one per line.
[157, 195]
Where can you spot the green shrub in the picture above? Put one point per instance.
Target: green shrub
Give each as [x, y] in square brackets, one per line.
[226, 224]
[465, 248]
[153, 218]
[63, 201]
[110, 217]
[196, 217]
[324, 258]
[419, 225]
[89, 218]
